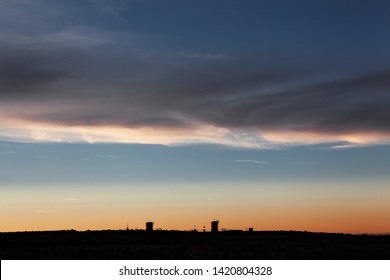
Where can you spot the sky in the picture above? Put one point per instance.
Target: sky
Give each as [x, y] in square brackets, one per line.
[265, 114]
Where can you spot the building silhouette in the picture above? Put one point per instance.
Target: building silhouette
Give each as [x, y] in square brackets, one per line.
[214, 226]
[149, 226]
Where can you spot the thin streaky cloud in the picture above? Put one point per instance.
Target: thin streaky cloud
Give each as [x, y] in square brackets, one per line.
[304, 163]
[41, 157]
[72, 199]
[109, 157]
[250, 161]
[40, 211]
[352, 145]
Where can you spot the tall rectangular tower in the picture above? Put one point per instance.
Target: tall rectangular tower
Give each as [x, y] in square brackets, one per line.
[214, 226]
[149, 226]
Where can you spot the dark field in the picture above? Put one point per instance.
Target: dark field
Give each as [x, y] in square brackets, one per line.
[284, 245]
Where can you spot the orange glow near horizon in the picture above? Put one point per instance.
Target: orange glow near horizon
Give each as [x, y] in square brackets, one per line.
[319, 210]
[290, 207]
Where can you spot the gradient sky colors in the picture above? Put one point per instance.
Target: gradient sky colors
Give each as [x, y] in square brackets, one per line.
[264, 114]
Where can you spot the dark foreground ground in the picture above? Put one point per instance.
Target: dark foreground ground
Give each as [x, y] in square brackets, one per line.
[118, 245]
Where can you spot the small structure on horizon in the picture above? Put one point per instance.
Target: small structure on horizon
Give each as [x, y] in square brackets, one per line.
[149, 226]
[250, 229]
[214, 226]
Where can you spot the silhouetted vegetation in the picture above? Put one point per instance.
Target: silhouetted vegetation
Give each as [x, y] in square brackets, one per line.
[139, 244]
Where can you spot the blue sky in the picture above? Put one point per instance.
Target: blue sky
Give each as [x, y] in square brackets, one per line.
[36, 164]
[206, 108]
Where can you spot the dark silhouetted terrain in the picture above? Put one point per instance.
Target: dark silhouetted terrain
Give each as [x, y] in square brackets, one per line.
[191, 245]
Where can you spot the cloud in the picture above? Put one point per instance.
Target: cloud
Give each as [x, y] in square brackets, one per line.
[75, 86]
[40, 211]
[109, 157]
[41, 157]
[78, 80]
[304, 163]
[249, 161]
[349, 145]
[111, 8]
[201, 134]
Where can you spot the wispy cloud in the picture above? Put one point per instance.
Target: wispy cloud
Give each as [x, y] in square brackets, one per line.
[250, 161]
[40, 211]
[353, 145]
[41, 156]
[304, 163]
[109, 7]
[72, 199]
[109, 157]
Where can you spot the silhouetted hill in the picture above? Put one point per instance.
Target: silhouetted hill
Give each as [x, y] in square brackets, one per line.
[138, 244]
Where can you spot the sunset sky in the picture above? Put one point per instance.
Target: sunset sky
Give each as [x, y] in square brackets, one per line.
[270, 114]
